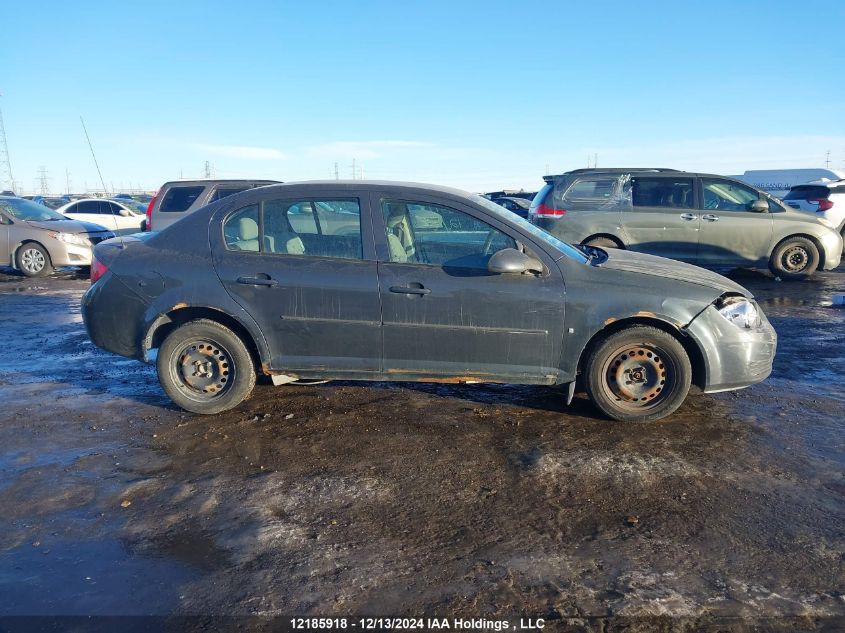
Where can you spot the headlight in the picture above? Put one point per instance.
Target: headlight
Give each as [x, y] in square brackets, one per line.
[827, 223]
[739, 311]
[71, 238]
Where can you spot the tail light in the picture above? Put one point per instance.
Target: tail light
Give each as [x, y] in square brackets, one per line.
[150, 211]
[824, 204]
[543, 211]
[98, 269]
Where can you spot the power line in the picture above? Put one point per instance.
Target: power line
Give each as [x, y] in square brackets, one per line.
[94, 156]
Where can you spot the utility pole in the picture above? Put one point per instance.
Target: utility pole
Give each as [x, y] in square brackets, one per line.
[827, 159]
[5, 166]
[336, 173]
[362, 171]
[67, 181]
[354, 169]
[43, 185]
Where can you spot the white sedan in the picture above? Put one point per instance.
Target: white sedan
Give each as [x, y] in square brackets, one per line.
[120, 216]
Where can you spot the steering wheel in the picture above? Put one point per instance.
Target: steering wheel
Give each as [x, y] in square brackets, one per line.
[711, 202]
[491, 235]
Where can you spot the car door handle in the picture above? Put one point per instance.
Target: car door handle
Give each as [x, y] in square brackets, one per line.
[406, 290]
[689, 216]
[710, 217]
[257, 281]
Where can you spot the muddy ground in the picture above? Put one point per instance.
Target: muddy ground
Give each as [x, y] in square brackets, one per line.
[418, 500]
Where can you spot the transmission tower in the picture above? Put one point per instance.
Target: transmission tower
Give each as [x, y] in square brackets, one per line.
[43, 184]
[207, 170]
[6, 177]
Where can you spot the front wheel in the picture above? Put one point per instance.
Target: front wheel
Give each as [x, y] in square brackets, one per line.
[794, 258]
[638, 375]
[33, 260]
[205, 367]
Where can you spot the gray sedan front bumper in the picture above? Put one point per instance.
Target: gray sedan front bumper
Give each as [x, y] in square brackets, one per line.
[733, 357]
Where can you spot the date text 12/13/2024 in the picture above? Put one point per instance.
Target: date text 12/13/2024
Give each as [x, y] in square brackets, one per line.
[411, 624]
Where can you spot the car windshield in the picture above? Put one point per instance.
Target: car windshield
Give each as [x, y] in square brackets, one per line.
[21, 209]
[505, 215]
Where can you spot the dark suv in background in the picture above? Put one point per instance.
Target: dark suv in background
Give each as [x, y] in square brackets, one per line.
[704, 219]
[179, 198]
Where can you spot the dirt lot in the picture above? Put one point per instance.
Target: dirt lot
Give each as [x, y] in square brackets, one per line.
[420, 500]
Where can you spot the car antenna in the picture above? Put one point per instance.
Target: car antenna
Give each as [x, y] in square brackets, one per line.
[102, 182]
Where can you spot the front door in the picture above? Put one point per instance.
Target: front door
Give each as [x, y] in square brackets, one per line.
[662, 219]
[302, 270]
[732, 234]
[445, 314]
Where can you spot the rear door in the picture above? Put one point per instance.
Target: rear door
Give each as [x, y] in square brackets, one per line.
[310, 281]
[444, 313]
[663, 219]
[731, 234]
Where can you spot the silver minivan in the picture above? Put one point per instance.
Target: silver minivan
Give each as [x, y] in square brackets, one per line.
[35, 239]
[179, 198]
[703, 219]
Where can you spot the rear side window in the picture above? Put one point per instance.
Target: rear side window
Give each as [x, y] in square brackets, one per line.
[219, 194]
[315, 228]
[179, 199]
[808, 192]
[590, 189]
[672, 193]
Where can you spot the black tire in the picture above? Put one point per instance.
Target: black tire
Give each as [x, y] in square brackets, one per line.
[33, 260]
[794, 258]
[658, 368]
[205, 367]
[602, 242]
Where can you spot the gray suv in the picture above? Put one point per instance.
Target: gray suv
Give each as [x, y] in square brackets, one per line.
[179, 198]
[708, 220]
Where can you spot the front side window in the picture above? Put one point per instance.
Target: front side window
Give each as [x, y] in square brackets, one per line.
[180, 198]
[420, 233]
[673, 193]
[595, 189]
[87, 206]
[724, 195]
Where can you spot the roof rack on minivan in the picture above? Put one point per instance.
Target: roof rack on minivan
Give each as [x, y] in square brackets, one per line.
[607, 170]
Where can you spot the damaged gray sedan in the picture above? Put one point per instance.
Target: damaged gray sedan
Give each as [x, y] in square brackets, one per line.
[404, 282]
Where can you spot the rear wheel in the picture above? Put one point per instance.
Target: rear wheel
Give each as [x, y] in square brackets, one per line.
[33, 260]
[794, 258]
[602, 242]
[205, 367]
[638, 375]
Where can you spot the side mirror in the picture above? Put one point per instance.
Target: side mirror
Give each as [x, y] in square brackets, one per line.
[124, 213]
[760, 206]
[510, 260]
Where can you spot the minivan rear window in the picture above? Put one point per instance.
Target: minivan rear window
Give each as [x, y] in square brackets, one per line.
[808, 192]
[179, 199]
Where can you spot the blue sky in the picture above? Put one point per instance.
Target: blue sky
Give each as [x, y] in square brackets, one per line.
[479, 95]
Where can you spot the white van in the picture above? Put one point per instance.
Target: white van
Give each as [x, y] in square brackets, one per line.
[778, 182]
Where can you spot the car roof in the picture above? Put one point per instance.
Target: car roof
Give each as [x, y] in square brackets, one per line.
[371, 185]
[824, 182]
[650, 171]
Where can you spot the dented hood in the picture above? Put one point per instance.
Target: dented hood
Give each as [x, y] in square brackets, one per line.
[669, 269]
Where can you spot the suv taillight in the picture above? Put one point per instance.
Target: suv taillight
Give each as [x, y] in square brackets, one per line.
[543, 211]
[98, 269]
[823, 203]
[150, 206]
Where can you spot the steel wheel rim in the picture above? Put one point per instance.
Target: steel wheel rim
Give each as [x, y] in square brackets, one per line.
[795, 259]
[203, 369]
[639, 376]
[33, 260]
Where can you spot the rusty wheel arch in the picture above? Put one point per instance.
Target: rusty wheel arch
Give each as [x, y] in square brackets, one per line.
[183, 313]
[696, 357]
